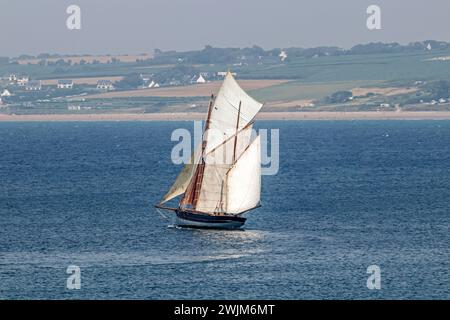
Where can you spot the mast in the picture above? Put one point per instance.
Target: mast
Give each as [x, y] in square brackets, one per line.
[207, 124]
[193, 192]
[236, 134]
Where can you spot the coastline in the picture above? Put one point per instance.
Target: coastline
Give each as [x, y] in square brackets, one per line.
[190, 116]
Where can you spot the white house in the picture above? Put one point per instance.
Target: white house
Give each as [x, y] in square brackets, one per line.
[23, 81]
[74, 108]
[282, 55]
[200, 79]
[224, 73]
[6, 93]
[105, 85]
[65, 84]
[12, 78]
[442, 100]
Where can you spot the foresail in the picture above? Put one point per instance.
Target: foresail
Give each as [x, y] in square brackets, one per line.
[229, 102]
[181, 183]
[244, 180]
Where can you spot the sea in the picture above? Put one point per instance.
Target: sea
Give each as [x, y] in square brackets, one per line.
[357, 210]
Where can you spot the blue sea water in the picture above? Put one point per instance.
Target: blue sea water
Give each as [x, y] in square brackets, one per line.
[349, 194]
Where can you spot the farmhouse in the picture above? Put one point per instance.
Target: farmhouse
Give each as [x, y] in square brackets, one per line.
[6, 93]
[23, 81]
[224, 73]
[151, 84]
[34, 85]
[73, 108]
[105, 85]
[65, 84]
[200, 79]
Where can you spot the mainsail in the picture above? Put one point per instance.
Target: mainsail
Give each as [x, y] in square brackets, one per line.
[227, 178]
[213, 193]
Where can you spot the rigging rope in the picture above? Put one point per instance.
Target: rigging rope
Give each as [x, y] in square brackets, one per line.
[161, 214]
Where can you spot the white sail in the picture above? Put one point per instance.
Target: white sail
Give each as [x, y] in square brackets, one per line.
[244, 180]
[212, 197]
[227, 179]
[230, 115]
[229, 102]
[183, 179]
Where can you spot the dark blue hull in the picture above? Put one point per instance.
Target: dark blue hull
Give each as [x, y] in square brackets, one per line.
[200, 220]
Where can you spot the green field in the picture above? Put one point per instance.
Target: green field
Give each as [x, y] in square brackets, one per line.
[299, 90]
[386, 67]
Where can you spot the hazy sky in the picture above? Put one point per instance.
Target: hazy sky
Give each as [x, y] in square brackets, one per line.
[137, 26]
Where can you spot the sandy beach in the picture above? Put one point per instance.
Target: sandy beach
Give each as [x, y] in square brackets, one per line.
[189, 116]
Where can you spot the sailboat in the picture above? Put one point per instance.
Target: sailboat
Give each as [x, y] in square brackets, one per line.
[223, 179]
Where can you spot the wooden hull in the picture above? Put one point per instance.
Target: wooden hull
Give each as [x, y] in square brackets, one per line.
[200, 220]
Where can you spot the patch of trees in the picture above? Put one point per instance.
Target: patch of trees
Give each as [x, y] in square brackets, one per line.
[211, 54]
[339, 97]
[438, 89]
[131, 81]
[179, 74]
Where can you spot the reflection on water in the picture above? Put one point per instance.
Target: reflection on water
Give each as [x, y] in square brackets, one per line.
[223, 236]
[111, 259]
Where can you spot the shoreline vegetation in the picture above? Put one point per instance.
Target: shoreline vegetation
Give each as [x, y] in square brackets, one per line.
[190, 116]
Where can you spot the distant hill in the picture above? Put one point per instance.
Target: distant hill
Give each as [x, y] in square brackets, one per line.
[248, 55]
[210, 54]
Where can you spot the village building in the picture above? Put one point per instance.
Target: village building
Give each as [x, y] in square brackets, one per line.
[12, 78]
[105, 85]
[224, 73]
[6, 93]
[282, 55]
[151, 84]
[74, 108]
[23, 81]
[200, 79]
[65, 84]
